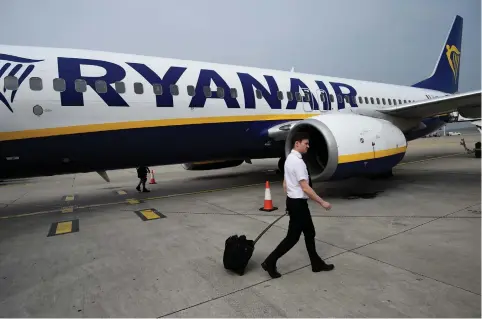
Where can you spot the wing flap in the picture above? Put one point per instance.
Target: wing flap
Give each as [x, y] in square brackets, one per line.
[437, 106]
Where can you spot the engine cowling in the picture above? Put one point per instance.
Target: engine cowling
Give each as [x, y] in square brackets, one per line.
[208, 165]
[346, 145]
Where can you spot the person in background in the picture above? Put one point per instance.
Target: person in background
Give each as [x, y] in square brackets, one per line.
[296, 184]
[142, 172]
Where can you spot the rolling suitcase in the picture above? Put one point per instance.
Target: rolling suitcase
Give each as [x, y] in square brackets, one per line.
[238, 250]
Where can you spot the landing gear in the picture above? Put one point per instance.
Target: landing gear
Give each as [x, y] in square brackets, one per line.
[281, 165]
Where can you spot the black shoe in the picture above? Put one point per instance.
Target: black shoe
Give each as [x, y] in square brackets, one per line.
[271, 270]
[146, 191]
[138, 188]
[321, 266]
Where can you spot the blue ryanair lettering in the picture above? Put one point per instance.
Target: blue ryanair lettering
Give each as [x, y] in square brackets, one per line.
[324, 91]
[69, 70]
[204, 80]
[295, 85]
[171, 77]
[271, 96]
[337, 88]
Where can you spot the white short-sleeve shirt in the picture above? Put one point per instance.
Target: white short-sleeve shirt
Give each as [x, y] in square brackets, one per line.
[295, 171]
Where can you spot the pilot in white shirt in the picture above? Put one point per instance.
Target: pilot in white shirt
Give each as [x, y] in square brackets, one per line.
[298, 190]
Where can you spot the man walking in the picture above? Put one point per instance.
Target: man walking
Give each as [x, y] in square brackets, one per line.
[297, 188]
[142, 174]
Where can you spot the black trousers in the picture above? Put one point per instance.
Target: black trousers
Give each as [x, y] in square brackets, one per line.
[300, 222]
[142, 181]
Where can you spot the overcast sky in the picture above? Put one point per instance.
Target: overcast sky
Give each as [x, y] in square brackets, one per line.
[394, 41]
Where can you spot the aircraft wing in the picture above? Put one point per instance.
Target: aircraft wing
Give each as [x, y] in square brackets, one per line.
[467, 104]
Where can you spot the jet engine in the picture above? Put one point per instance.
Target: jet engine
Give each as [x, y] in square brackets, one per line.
[346, 145]
[208, 165]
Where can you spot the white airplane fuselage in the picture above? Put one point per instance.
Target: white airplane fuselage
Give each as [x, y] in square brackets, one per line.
[79, 111]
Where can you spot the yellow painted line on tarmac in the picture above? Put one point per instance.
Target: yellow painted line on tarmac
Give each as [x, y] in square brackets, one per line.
[132, 201]
[65, 227]
[69, 198]
[135, 201]
[430, 159]
[149, 214]
[121, 192]
[69, 209]
[207, 191]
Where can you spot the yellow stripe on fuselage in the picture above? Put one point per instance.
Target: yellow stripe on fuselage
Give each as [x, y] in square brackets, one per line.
[370, 155]
[67, 130]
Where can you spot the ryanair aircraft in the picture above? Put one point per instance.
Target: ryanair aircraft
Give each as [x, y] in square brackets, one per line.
[71, 111]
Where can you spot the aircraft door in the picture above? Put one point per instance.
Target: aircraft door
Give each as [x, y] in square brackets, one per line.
[306, 99]
[323, 98]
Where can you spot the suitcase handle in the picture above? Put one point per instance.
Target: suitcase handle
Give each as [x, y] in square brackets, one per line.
[269, 226]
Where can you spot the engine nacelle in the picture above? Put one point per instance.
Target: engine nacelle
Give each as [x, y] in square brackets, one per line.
[208, 165]
[346, 145]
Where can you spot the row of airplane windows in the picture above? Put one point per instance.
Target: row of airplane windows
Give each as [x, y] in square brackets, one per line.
[59, 85]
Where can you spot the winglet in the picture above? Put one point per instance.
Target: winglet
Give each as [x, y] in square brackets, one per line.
[445, 76]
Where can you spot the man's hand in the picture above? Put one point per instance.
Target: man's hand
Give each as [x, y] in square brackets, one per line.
[326, 205]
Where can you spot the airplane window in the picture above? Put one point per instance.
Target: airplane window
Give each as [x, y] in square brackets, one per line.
[280, 95]
[366, 100]
[383, 100]
[347, 99]
[298, 96]
[157, 88]
[36, 84]
[220, 92]
[322, 97]
[405, 101]
[138, 88]
[339, 98]
[372, 100]
[11, 82]
[399, 101]
[100, 86]
[174, 89]
[59, 84]
[120, 87]
[389, 102]
[378, 100]
[234, 93]
[394, 102]
[307, 96]
[258, 94]
[190, 90]
[207, 91]
[360, 99]
[353, 99]
[80, 85]
[289, 95]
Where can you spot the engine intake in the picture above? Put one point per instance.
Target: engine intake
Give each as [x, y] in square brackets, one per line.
[347, 145]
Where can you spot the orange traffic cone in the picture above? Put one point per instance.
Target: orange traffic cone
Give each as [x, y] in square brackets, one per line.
[268, 203]
[153, 180]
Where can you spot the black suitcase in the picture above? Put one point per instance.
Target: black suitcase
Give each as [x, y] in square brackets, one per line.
[238, 250]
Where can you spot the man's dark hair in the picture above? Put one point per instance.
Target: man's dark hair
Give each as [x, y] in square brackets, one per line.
[299, 136]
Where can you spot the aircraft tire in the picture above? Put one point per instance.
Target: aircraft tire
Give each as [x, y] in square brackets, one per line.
[477, 150]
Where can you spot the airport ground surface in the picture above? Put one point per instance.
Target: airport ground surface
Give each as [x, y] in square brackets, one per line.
[411, 250]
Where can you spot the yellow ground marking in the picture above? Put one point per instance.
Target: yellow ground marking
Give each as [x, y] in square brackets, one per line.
[69, 209]
[132, 201]
[63, 227]
[149, 214]
[121, 192]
